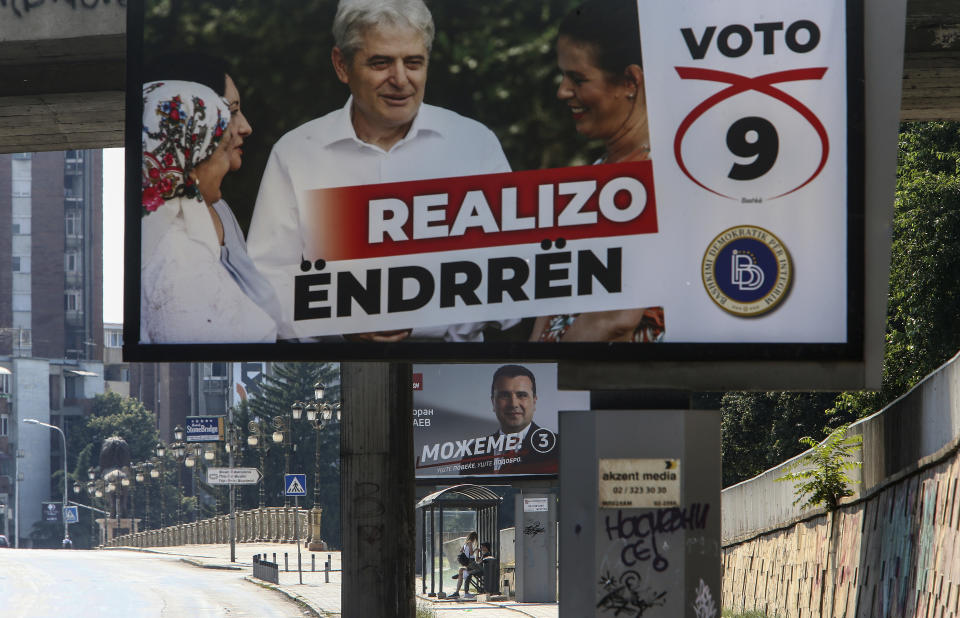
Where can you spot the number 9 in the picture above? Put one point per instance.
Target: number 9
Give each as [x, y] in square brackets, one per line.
[763, 147]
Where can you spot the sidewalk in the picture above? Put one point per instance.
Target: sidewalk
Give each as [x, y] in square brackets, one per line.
[323, 597]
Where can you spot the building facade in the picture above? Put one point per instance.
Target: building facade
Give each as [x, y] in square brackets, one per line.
[51, 324]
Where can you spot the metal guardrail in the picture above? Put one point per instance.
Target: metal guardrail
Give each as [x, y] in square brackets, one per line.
[266, 525]
[267, 571]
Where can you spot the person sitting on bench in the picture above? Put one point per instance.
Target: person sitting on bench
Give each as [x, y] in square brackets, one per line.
[475, 570]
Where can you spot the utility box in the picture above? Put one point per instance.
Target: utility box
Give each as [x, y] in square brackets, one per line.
[536, 547]
[640, 513]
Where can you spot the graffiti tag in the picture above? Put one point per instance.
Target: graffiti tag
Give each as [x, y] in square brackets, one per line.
[643, 529]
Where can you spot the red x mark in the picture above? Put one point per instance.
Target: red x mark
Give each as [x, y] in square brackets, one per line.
[761, 83]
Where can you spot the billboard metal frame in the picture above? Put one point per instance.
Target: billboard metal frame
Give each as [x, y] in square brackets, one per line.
[873, 80]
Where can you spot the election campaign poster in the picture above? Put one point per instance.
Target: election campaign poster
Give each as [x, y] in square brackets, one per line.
[646, 180]
[488, 419]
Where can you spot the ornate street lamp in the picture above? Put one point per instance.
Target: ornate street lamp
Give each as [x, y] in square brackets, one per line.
[160, 450]
[256, 438]
[281, 436]
[319, 414]
[179, 451]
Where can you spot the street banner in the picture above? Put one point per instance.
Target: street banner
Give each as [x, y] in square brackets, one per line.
[488, 419]
[51, 511]
[733, 230]
[204, 428]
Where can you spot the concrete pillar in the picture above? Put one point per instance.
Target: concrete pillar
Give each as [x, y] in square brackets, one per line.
[377, 491]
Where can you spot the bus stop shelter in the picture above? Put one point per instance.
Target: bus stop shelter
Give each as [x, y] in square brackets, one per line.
[482, 501]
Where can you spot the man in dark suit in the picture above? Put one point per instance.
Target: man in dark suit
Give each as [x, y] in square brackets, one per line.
[527, 447]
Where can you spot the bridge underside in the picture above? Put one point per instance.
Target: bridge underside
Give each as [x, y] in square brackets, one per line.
[61, 93]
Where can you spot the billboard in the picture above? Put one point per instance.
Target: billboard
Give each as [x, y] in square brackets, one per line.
[505, 218]
[488, 419]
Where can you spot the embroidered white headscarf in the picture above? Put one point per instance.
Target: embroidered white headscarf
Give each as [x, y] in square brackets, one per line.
[183, 123]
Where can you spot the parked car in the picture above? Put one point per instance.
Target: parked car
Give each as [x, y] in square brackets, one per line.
[4, 542]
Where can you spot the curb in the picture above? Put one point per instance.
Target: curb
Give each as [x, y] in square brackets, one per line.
[218, 567]
[301, 600]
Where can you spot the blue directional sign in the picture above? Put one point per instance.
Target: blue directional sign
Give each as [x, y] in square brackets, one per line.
[70, 514]
[295, 484]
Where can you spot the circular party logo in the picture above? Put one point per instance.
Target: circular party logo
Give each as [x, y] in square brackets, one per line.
[747, 271]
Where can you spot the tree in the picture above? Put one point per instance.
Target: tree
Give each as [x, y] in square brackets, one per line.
[822, 473]
[924, 302]
[290, 383]
[759, 430]
[114, 415]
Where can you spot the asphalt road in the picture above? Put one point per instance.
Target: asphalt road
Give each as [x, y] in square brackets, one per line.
[57, 583]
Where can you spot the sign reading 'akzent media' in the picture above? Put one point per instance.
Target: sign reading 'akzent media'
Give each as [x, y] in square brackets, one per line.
[639, 483]
[737, 228]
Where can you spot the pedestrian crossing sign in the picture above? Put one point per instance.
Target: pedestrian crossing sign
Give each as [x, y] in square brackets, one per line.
[70, 514]
[295, 484]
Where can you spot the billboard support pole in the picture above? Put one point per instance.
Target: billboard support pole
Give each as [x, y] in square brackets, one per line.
[377, 490]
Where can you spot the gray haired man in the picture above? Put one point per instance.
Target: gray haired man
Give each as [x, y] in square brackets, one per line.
[384, 133]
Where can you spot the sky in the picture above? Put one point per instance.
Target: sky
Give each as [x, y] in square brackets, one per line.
[113, 235]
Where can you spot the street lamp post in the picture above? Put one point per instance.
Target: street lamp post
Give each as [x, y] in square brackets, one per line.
[192, 461]
[160, 450]
[67, 543]
[232, 447]
[318, 416]
[282, 437]
[258, 431]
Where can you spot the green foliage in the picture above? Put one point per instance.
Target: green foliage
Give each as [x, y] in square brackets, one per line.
[760, 430]
[924, 301]
[491, 61]
[425, 612]
[821, 474]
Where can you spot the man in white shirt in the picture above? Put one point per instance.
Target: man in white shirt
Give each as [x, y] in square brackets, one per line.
[384, 133]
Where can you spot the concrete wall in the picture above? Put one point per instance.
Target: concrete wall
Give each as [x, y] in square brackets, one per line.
[917, 425]
[892, 550]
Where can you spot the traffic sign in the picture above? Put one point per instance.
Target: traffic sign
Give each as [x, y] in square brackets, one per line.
[71, 515]
[295, 484]
[233, 476]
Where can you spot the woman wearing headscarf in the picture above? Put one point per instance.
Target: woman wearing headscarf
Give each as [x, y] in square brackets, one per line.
[599, 55]
[187, 294]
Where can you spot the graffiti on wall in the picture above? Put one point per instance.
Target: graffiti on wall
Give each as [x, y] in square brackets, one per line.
[22, 7]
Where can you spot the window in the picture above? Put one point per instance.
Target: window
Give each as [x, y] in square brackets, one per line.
[73, 388]
[4, 424]
[16, 229]
[71, 262]
[71, 301]
[73, 224]
[114, 339]
[16, 263]
[4, 383]
[218, 370]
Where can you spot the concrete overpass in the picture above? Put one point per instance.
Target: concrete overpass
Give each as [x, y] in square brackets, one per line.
[62, 66]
